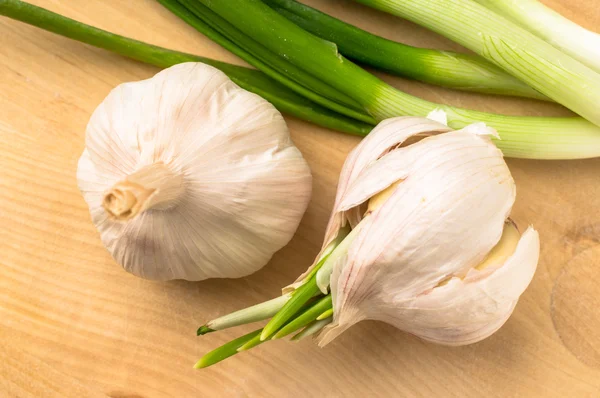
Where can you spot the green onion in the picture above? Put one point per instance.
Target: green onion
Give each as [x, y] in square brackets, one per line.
[542, 138]
[526, 137]
[442, 68]
[517, 51]
[252, 80]
[549, 25]
[213, 27]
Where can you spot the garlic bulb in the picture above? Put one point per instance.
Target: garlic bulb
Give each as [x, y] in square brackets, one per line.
[433, 252]
[188, 176]
[420, 238]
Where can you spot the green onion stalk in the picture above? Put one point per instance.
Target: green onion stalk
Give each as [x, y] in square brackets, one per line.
[443, 68]
[549, 25]
[253, 53]
[302, 313]
[524, 137]
[509, 46]
[284, 99]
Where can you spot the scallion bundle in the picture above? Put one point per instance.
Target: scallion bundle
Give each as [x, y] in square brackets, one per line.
[325, 88]
[443, 68]
[253, 26]
[507, 45]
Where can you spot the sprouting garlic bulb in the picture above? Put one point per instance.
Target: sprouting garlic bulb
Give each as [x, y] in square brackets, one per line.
[433, 250]
[188, 176]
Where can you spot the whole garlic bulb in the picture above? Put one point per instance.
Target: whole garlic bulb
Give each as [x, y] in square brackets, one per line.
[188, 176]
[432, 252]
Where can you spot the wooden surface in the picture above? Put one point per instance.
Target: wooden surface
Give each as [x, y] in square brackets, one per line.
[74, 324]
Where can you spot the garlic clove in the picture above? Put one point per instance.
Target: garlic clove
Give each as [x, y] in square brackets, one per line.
[391, 133]
[375, 178]
[467, 311]
[512, 278]
[503, 249]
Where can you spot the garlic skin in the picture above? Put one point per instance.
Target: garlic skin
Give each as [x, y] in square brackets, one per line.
[188, 176]
[429, 216]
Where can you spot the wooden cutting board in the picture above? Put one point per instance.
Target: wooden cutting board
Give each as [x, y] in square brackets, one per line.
[74, 324]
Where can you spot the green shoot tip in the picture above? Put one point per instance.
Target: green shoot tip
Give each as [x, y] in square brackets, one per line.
[325, 314]
[266, 333]
[202, 330]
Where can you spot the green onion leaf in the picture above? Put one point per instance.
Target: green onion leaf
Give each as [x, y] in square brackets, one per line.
[527, 137]
[514, 49]
[217, 29]
[552, 27]
[442, 68]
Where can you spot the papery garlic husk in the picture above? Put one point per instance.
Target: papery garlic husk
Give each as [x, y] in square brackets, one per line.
[188, 176]
[430, 214]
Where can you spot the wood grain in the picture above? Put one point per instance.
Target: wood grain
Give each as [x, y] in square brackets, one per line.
[22, 375]
[575, 304]
[73, 323]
